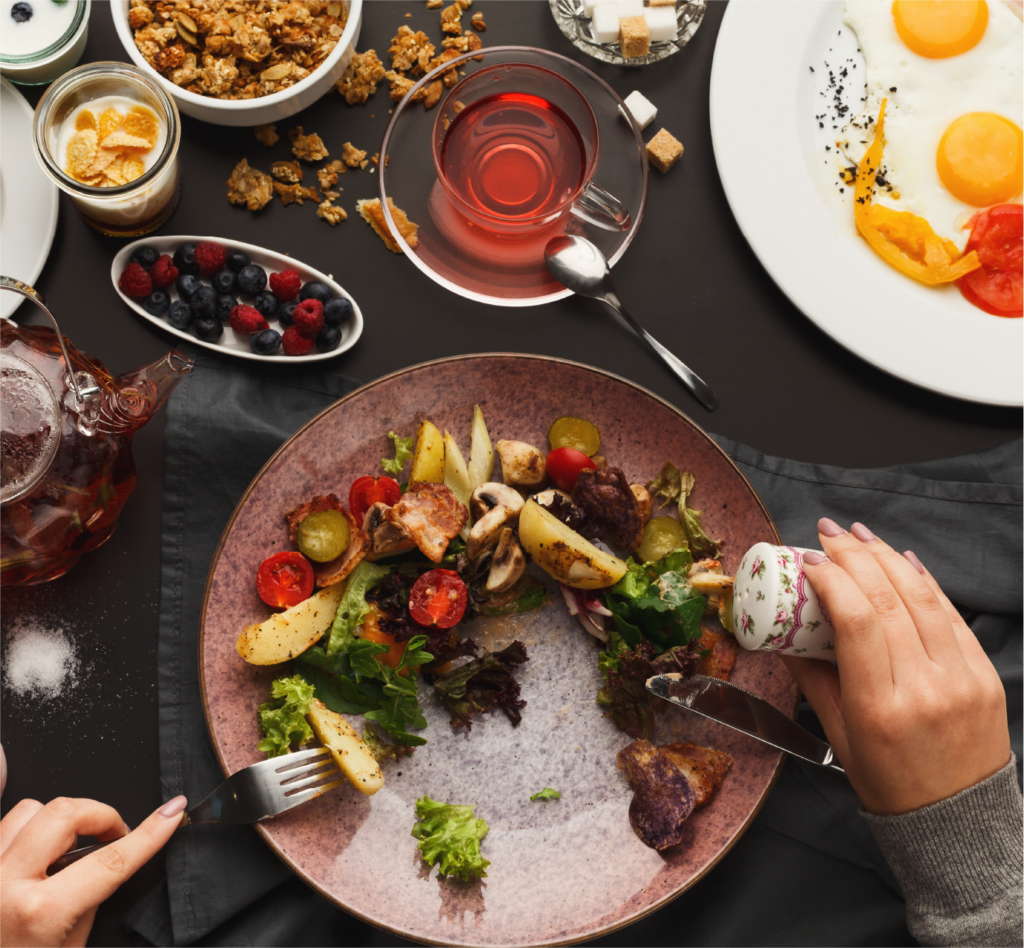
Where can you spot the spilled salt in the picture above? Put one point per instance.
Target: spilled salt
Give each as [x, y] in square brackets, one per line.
[39, 662]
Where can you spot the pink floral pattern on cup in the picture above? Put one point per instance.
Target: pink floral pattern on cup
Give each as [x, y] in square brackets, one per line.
[776, 607]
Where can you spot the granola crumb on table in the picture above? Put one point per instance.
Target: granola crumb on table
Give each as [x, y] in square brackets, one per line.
[332, 214]
[294, 193]
[451, 19]
[328, 174]
[435, 4]
[266, 134]
[360, 78]
[250, 187]
[409, 50]
[477, 21]
[351, 155]
[307, 147]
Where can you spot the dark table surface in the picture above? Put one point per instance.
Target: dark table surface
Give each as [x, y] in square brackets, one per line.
[689, 266]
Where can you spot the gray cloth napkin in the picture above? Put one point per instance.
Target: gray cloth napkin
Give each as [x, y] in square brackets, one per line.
[223, 886]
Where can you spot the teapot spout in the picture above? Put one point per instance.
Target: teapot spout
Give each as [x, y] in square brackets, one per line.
[137, 396]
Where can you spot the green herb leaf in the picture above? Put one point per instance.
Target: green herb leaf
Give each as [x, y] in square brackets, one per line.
[381, 749]
[450, 838]
[403, 451]
[283, 718]
[546, 794]
[353, 607]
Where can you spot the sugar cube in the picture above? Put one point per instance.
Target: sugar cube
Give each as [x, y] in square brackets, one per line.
[588, 6]
[605, 24]
[629, 8]
[634, 37]
[641, 108]
[661, 22]
[664, 150]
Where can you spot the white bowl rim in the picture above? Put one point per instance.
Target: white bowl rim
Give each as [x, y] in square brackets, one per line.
[236, 105]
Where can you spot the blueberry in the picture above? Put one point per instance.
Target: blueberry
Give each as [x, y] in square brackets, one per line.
[156, 303]
[186, 285]
[224, 281]
[145, 256]
[266, 342]
[209, 329]
[225, 304]
[284, 313]
[185, 259]
[21, 12]
[328, 338]
[315, 291]
[204, 301]
[338, 311]
[238, 261]
[266, 304]
[252, 280]
[180, 315]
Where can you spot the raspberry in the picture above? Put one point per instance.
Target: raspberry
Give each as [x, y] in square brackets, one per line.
[308, 317]
[295, 343]
[285, 285]
[244, 319]
[163, 273]
[210, 257]
[135, 281]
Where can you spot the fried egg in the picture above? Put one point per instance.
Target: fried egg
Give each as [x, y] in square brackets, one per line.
[953, 77]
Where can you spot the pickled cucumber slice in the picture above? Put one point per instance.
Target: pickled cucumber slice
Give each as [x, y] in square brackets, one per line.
[323, 536]
[661, 535]
[576, 433]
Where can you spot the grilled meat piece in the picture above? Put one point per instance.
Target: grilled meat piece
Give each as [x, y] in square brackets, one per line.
[722, 650]
[431, 514]
[605, 498]
[386, 537]
[704, 767]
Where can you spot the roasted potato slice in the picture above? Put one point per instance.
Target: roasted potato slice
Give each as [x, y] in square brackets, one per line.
[481, 453]
[286, 634]
[351, 755]
[428, 457]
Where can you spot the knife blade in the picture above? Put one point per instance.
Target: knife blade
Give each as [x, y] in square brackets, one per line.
[737, 708]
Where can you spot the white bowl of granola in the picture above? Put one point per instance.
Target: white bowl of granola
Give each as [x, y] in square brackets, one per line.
[239, 63]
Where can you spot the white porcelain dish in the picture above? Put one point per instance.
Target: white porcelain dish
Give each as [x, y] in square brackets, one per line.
[792, 215]
[28, 199]
[231, 343]
[266, 109]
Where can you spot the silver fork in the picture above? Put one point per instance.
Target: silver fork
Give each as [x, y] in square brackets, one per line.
[255, 793]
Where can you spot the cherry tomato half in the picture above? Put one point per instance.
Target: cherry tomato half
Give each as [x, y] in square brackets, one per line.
[367, 491]
[564, 466]
[284, 579]
[996, 286]
[438, 599]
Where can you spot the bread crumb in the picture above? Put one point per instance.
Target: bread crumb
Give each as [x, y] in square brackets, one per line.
[634, 37]
[250, 187]
[664, 150]
[266, 134]
[371, 212]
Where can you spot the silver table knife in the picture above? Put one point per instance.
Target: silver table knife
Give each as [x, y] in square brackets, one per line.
[737, 708]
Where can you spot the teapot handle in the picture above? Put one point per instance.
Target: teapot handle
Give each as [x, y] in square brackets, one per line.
[23, 289]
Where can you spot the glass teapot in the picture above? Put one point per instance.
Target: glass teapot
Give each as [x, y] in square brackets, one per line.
[66, 428]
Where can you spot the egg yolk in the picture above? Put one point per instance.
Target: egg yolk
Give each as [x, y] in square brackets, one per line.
[940, 28]
[981, 159]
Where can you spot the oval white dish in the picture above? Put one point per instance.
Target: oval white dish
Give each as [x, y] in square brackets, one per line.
[231, 342]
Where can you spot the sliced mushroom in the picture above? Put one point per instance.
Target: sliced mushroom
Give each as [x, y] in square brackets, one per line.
[644, 500]
[508, 563]
[492, 494]
[500, 505]
[386, 538]
[522, 465]
[545, 497]
[706, 579]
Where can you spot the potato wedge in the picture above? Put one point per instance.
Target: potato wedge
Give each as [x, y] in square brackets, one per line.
[563, 553]
[456, 477]
[428, 457]
[286, 634]
[351, 755]
[481, 453]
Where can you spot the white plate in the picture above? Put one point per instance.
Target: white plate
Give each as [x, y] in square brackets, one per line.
[28, 199]
[231, 343]
[769, 150]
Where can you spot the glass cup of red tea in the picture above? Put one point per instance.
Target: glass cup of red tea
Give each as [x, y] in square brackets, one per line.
[515, 147]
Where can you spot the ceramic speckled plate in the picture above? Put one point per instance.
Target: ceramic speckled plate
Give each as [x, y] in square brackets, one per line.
[560, 871]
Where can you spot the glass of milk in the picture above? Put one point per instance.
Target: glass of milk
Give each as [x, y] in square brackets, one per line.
[141, 205]
[42, 39]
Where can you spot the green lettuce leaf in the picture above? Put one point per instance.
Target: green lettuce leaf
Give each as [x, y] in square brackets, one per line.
[403, 451]
[450, 838]
[353, 607]
[546, 794]
[283, 718]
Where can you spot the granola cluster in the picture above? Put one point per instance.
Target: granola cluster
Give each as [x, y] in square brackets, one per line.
[236, 49]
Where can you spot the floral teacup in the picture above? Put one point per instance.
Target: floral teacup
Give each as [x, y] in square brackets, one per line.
[776, 609]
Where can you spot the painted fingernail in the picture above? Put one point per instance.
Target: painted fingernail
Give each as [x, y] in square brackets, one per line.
[830, 528]
[914, 561]
[811, 558]
[173, 807]
[862, 533]
[127, 828]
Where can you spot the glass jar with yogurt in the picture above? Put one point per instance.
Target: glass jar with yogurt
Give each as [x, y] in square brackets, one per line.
[42, 39]
[137, 189]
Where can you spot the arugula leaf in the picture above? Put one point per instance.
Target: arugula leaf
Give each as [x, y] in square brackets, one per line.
[283, 718]
[450, 838]
[546, 794]
[674, 485]
[353, 607]
[403, 451]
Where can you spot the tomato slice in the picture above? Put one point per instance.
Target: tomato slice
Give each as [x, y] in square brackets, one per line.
[284, 579]
[996, 286]
[367, 491]
[564, 466]
[438, 599]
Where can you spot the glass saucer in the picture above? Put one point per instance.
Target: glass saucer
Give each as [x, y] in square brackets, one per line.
[492, 269]
[577, 28]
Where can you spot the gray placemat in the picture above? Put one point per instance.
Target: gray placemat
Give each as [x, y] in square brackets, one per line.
[807, 871]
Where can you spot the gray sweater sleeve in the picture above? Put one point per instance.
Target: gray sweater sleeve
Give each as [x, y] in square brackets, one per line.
[959, 862]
